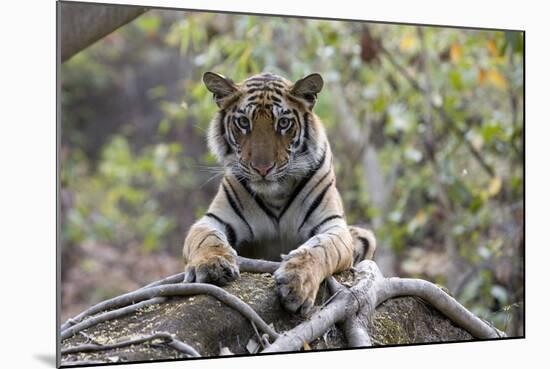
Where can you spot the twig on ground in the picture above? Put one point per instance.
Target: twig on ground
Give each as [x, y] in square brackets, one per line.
[258, 336]
[165, 337]
[82, 363]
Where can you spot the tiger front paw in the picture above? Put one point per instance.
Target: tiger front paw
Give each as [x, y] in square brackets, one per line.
[297, 282]
[216, 265]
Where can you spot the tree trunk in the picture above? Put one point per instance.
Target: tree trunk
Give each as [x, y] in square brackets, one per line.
[80, 25]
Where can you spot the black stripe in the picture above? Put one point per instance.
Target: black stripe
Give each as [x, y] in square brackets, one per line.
[303, 183]
[278, 91]
[231, 238]
[337, 235]
[275, 84]
[324, 249]
[306, 133]
[275, 98]
[234, 193]
[295, 100]
[317, 184]
[264, 88]
[337, 251]
[222, 131]
[236, 209]
[315, 204]
[204, 239]
[366, 245]
[253, 97]
[259, 201]
[315, 229]
[306, 125]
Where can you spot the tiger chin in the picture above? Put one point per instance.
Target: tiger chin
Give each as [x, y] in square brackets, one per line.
[278, 196]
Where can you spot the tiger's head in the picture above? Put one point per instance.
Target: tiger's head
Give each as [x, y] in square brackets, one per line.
[265, 130]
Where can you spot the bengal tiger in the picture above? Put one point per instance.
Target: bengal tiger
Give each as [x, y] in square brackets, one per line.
[278, 194]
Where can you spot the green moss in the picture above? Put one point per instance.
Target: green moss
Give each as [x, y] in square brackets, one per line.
[388, 331]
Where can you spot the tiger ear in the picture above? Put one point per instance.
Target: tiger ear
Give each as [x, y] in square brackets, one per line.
[220, 86]
[308, 87]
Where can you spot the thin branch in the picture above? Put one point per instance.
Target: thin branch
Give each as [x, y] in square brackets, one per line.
[245, 265]
[165, 337]
[176, 278]
[108, 315]
[178, 290]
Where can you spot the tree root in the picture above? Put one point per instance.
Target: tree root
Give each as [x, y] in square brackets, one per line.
[245, 265]
[351, 308]
[173, 290]
[166, 338]
[371, 290]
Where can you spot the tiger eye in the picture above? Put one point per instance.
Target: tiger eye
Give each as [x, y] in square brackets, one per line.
[284, 123]
[243, 122]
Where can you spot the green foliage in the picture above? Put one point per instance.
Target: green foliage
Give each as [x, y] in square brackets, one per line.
[141, 182]
[117, 202]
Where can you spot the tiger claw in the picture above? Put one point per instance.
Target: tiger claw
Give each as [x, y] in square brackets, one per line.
[297, 285]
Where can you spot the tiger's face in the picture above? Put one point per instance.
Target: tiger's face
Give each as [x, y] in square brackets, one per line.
[263, 128]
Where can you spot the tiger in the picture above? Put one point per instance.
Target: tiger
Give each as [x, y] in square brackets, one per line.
[278, 194]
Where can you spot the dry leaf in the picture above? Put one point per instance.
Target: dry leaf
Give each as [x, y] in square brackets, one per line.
[481, 76]
[307, 347]
[497, 79]
[225, 351]
[456, 52]
[492, 47]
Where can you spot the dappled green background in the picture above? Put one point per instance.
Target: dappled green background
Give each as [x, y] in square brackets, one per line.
[426, 125]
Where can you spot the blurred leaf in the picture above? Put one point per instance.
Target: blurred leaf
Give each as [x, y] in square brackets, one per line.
[418, 221]
[407, 43]
[149, 24]
[456, 52]
[492, 47]
[494, 186]
[497, 79]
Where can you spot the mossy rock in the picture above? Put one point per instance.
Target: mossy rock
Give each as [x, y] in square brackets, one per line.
[208, 325]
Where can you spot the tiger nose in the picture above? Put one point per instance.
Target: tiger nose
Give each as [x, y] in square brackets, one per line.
[263, 169]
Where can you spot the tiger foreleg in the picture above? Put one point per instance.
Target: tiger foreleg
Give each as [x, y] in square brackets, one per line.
[208, 256]
[303, 269]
